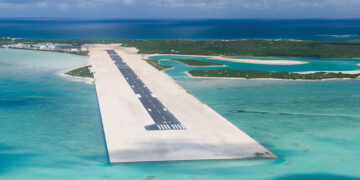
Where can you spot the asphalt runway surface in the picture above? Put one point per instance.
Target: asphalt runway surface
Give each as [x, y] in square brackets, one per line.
[163, 118]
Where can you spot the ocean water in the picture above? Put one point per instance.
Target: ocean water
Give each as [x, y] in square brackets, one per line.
[179, 29]
[50, 126]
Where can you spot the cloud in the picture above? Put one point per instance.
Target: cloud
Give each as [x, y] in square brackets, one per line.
[184, 8]
[196, 3]
[254, 4]
[190, 3]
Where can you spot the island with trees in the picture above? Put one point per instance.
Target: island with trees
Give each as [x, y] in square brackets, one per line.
[252, 74]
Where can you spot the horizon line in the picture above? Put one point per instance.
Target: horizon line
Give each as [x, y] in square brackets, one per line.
[115, 18]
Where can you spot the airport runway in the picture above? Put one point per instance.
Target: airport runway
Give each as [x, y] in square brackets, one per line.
[124, 105]
[163, 118]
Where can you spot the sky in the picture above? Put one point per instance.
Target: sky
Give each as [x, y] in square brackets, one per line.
[150, 9]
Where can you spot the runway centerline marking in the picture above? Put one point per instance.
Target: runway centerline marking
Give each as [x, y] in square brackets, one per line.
[160, 115]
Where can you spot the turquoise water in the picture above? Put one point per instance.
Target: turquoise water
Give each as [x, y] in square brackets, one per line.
[50, 126]
[313, 65]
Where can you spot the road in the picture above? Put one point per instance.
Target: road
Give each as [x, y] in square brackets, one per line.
[163, 118]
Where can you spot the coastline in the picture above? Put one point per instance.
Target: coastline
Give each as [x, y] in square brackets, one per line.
[46, 51]
[308, 72]
[258, 61]
[249, 61]
[344, 72]
[208, 135]
[223, 65]
[77, 78]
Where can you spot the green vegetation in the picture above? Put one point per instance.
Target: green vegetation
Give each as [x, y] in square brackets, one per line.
[197, 62]
[157, 65]
[82, 72]
[250, 48]
[71, 41]
[80, 53]
[35, 41]
[247, 48]
[5, 42]
[251, 74]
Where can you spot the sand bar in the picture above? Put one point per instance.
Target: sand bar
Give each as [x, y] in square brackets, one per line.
[207, 136]
[258, 61]
[250, 61]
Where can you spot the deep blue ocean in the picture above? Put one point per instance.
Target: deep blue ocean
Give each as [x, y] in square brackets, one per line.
[50, 125]
[180, 29]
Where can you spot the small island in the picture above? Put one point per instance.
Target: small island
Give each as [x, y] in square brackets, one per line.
[81, 72]
[252, 74]
[157, 65]
[192, 62]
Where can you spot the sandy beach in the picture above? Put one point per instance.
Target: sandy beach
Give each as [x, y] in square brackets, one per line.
[250, 61]
[258, 61]
[76, 78]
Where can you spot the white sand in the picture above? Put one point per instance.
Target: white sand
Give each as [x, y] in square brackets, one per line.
[76, 78]
[258, 61]
[207, 136]
[250, 61]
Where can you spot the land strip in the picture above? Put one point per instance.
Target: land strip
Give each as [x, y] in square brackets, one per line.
[192, 62]
[249, 48]
[207, 135]
[157, 65]
[240, 60]
[242, 48]
[252, 74]
[258, 61]
[81, 72]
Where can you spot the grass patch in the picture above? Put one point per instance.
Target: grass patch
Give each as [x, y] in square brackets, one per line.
[251, 74]
[157, 65]
[81, 72]
[197, 62]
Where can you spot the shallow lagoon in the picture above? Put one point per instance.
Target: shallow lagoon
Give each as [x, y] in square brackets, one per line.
[50, 126]
[313, 65]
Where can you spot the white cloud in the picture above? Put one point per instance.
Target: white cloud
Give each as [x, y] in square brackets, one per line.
[185, 8]
[190, 3]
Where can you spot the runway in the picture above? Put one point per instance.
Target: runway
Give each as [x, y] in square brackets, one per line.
[163, 118]
[147, 116]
